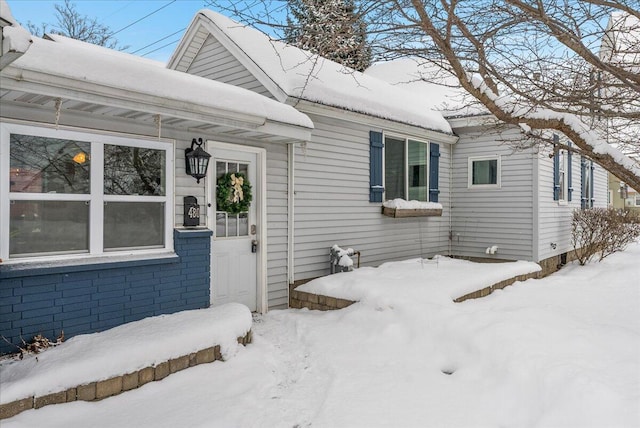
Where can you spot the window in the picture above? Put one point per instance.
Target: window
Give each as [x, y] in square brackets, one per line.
[586, 175]
[403, 168]
[68, 192]
[562, 176]
[562, 164]
[637, 200]
[227, 224]
[484, 172]
[405, 173]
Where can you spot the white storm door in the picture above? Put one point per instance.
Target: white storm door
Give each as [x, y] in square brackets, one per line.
[233, 255]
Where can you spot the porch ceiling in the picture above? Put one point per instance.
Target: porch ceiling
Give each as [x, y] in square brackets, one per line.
[15, 100]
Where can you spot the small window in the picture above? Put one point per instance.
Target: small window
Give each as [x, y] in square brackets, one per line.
[406, 176]
[637, 200]
[484, 172]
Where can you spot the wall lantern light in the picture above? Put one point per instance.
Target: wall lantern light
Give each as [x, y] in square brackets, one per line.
[197, 160]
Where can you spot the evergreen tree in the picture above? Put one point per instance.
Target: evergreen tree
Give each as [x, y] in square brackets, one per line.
[330, 28]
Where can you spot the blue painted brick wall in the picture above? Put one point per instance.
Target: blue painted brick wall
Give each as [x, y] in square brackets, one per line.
[86, 298]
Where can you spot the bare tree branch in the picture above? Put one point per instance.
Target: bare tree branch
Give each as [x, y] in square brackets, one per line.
[571, 67]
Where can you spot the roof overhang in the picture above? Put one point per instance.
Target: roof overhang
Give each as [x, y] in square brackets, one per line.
[18, 83]
[374, 122]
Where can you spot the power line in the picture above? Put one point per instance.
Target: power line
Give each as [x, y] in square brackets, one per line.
[144, 17]
[159, 40]
[163, 46]
[119, 10]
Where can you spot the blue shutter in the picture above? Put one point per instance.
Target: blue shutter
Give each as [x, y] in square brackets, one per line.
[375, 166]
[434, 171]
[570, 189]
[591, 197]
[583, 176]
[556, 167]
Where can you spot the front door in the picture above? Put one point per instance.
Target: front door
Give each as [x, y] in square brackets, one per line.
[234, 248]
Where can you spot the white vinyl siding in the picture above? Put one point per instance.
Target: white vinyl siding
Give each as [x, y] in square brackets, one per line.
[214, 62]
[332, 204]
[554, 220]
[488, 215]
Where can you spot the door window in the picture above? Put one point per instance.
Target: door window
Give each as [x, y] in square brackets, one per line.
[231, 225]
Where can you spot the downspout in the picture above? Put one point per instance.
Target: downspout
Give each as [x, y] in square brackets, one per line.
[451, 147]
[291, 153]
[535, 242]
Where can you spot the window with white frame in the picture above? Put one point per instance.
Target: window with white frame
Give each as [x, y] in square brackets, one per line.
[484, 172]
[561, 183]
[405, 169]
[70, 192]
[637, 200]
[587, 182]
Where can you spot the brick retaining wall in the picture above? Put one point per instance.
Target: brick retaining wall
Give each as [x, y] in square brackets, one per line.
[117, 385]
[499, 286]
[302, 299]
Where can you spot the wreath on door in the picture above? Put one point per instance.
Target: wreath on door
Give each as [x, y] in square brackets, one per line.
[233, 193]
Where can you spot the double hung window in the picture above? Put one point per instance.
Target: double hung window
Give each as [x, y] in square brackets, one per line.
[68, 192]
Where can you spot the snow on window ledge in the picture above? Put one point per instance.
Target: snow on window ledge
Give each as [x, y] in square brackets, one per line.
[400, 208]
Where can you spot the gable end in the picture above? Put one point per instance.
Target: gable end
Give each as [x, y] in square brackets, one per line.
[215, 62]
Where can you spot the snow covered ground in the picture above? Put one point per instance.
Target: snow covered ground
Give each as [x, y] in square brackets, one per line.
[124, 349]
[559, 352]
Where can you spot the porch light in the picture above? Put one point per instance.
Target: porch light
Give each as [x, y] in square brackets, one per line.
[80, 158]
[197, 160]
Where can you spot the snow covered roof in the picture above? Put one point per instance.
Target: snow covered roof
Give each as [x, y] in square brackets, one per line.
[92, 71]
[296, 73]
[621, 41]
[6, 17]
[440, 89]
[15, 39]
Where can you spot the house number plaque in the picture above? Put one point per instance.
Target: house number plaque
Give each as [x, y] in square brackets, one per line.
[191, 212]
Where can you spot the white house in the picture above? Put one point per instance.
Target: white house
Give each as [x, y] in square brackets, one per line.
[92, 183]
[98, 224]
[337, 178]
[508, 194]
[520, 204]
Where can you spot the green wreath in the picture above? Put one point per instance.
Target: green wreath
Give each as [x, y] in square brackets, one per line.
[233, 193]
